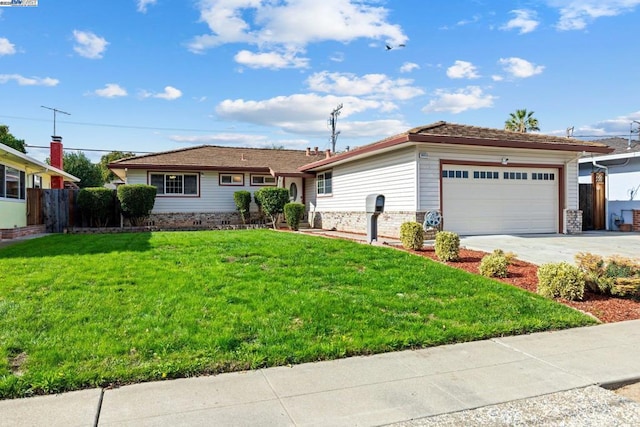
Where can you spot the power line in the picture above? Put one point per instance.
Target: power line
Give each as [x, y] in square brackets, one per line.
[111, 125]
[89, 149]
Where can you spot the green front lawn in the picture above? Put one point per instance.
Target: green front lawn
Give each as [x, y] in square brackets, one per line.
[82, 311]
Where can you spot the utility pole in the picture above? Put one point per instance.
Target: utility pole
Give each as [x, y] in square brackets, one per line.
[333, 121]
[55, 110]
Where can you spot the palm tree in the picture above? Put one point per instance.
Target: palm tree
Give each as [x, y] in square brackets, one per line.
[522, 121]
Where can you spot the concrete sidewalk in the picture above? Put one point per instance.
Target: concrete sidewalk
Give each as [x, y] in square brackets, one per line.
[365, 391]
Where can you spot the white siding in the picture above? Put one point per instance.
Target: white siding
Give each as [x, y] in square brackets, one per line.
[391, 174]
[213, 197]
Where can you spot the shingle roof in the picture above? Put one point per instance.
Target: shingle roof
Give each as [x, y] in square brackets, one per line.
[209, 157]
[451, 133]
[621, 145]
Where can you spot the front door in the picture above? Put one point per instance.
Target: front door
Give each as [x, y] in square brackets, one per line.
[599, 200]
[294, 185]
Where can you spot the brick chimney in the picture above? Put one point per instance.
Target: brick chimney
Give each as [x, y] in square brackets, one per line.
[308, 151]
[57, 182]
[315, 151]
[327, 153]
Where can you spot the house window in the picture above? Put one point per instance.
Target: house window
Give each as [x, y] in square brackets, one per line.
[486, 175]
[263, 180]
[13, 183]
[543, 176]
[37, 181]
[231, 179]
[516, 175]
[175, 184]
[323, 180]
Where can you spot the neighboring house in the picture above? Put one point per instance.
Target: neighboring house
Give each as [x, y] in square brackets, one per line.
[611, 183]
[482, 181]
[196, 185]
[18, 172]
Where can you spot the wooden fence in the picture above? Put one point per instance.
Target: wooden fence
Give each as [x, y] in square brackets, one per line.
[58, 210]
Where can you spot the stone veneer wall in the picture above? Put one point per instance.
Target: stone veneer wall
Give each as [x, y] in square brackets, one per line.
[572, 221]
[356, 222]
[195, 219]
[636, 220]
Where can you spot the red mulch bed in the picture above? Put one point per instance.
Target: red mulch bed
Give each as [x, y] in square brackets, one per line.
[523, 275]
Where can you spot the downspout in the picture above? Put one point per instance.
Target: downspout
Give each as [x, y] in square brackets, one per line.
[606, 192]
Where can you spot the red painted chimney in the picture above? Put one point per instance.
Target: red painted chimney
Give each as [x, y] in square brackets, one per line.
[57, 182]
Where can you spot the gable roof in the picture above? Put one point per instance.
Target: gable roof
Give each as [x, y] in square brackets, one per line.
[210, 157]
[451, 133]
[32, 165]
[623, 148]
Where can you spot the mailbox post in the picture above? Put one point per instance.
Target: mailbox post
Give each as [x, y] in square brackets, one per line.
[374, 207]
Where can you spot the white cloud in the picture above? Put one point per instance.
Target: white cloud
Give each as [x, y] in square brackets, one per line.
[272, 60]
[28, 81]
[337, 57]
[469, 98]
[170, 93]
[144, 4]
[298, 113]
[374, 86]
[294, 23]
[111, 90]
[577, 14]
[6, 47]
[408, 67]
[497, 78]
[89, 45]
[520, 68]
[525, 20]
[462, 70]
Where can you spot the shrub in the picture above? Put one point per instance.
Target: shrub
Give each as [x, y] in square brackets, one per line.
[447, 246]
[601, 275]
[97, 204]
[496, 264]
[293, 213]
[137, 201]
[243, 202]
[272, 201]
[412, 235]
[561, 280]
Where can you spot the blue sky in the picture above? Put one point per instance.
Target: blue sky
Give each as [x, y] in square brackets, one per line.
[154, 75]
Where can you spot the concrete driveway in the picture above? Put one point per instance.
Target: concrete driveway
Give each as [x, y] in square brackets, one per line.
[545, 248]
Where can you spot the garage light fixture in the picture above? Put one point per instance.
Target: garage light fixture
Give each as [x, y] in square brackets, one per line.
[505, 160]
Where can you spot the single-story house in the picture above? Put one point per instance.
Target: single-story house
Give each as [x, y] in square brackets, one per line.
[613, 181]
[480, 180]
[196, 185]
[18, 172]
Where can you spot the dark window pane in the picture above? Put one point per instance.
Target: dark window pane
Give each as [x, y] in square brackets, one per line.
[524, 175]
[158, 181]
[458, 174]
[465, 174]
[12, 179]
[476, 174]
[23, 185]
[1, 180]
[173, 184]
[518, 175]
[483, 175]
[546, 177]
[444, 174]
[552, 176]
[496, 175]
[328, 186]
[190, 184]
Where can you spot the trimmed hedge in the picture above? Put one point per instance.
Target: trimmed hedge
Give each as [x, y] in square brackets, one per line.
[412, 235]
[242, 199]
[561, 280]
[96, 203]
[272, 200]
[293, 213]
[137, 201]
[447, 246]
[495, 264]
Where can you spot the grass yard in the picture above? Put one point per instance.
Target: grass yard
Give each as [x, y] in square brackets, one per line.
[81, 311]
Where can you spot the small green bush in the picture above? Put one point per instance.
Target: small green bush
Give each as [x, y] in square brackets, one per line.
[561, 280]
[293, 213]
[243, 203]
[447, 246]
[495, 264]
[96, 204]
[412, 235]
[137, 201]
[272, 201]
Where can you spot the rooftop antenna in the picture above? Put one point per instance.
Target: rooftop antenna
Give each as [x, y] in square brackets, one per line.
[333, 121]
[55, 110]
[632, 131]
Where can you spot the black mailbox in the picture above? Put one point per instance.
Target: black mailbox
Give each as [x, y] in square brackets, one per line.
[374, 207]
[375, 203]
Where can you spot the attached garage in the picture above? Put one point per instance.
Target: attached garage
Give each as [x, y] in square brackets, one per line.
[500, 200]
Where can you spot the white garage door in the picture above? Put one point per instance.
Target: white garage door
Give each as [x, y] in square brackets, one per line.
[499, 200]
